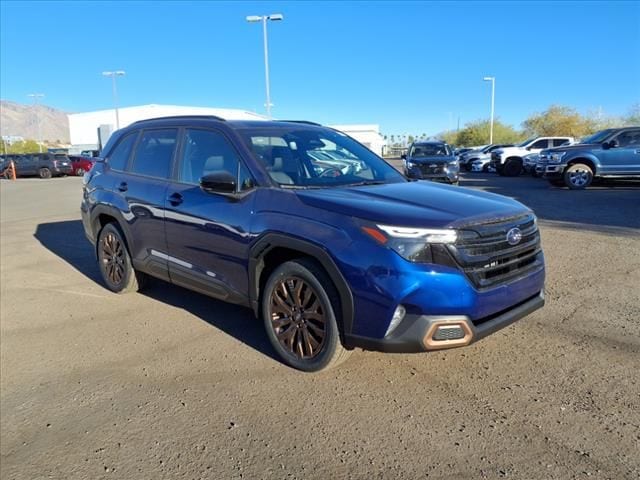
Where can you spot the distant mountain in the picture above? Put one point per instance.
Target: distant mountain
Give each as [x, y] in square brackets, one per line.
[18, 119]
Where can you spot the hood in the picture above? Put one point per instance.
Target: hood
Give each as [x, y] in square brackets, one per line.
[432, 159]
[414, 204]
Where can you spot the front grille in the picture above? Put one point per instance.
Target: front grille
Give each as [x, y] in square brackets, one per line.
[489, 260]
[426, 169]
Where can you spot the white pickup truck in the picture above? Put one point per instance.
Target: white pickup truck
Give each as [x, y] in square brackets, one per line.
[508, 161]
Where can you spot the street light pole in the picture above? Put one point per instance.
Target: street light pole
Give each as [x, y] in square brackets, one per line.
[35, 97]
[113, 75]
[493, 96]
[263, 18]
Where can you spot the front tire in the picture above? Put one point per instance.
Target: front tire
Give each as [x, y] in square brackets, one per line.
[114, 262]
[299, 306]
[578, 176]
[513, 167]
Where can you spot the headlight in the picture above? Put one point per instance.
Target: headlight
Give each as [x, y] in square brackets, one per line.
[414, 244]
[411, 165]
[556, 157]
[454, 164]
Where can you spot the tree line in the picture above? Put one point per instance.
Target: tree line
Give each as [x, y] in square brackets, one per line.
[555, 120]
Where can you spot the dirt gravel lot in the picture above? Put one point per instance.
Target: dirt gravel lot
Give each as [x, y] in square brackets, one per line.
[171, 384]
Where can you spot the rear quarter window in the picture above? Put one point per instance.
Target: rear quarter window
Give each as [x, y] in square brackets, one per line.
[121, 153]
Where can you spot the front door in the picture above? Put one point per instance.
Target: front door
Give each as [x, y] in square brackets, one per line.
[208, 234]
[624, 159]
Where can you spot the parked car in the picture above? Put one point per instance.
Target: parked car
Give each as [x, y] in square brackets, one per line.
[330, 262]
[431, 160]
[610, 153]
[44, 165]
[467, 159]
[81, 165]
[481, 165]
[508, 161]
[90, 153]
[530, 162]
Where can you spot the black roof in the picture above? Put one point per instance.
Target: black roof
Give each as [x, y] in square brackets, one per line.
[234, 123]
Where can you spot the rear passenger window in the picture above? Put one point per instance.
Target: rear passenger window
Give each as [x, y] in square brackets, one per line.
[155, 152]
[118, 159]
[559, 141]
[205, 152]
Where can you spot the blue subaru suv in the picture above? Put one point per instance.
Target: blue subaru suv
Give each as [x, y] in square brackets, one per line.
[331, 258]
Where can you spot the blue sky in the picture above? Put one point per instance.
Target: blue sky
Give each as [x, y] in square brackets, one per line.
[412, 67]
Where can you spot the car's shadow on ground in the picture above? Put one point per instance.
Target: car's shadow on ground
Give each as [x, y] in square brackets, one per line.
[66, 239]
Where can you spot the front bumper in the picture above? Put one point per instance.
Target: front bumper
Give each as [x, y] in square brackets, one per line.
[447, 176]
[62, 170]
[423, 333]
[554, 171]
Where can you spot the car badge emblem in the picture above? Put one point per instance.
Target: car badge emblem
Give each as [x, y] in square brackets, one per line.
[433, 165]
[514, 236]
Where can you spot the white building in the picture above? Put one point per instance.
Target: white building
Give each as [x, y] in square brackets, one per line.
[367, 134]
[83, 127]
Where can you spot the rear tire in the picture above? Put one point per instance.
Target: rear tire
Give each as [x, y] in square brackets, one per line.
[114, 262]
[513, 167]
[578, 176]
[299, 306]
[44, 173]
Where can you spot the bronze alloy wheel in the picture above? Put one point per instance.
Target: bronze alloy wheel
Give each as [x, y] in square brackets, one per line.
[297, 317]
[113, 259]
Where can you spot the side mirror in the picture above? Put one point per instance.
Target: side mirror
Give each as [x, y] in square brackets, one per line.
[403, 156]
[218, 182]
[614, 143]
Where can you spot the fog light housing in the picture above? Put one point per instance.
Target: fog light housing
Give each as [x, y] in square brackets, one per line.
[398, 315]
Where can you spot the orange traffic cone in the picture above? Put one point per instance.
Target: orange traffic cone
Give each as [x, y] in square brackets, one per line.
[13, 170]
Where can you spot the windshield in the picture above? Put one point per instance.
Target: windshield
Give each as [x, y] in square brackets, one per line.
[597, 137]
[299, 156]
[429, 150]
[527, 141]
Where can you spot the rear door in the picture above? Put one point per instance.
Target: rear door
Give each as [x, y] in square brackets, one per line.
[144, 189]
[208, 234]
[27, 164]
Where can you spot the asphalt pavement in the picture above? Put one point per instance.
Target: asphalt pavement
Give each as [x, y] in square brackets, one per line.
[172, 384]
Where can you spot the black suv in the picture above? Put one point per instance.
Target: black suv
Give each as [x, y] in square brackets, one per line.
[332, 254]
[431, 161]
[43, 165]
[610, 153]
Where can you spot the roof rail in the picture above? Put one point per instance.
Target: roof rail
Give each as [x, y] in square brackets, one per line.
[307, 122]
[179, 117]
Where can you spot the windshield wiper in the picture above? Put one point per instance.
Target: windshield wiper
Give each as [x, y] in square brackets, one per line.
[366, 182]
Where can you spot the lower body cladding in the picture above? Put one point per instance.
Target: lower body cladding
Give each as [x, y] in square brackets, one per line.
[423, 333]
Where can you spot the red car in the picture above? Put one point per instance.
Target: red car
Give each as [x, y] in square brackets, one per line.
[80, 165]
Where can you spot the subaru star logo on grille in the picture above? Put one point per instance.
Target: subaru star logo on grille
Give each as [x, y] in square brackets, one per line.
[514, 236]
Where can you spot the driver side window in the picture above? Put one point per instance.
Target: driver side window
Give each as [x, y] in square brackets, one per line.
[631, 137]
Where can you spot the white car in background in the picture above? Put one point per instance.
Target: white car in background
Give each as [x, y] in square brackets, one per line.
[508, 161]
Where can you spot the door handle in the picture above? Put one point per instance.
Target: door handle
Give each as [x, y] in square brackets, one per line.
[175, 199]
[123, 187]
[638, 150]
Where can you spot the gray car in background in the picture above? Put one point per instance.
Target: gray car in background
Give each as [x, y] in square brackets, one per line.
[467, 159]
